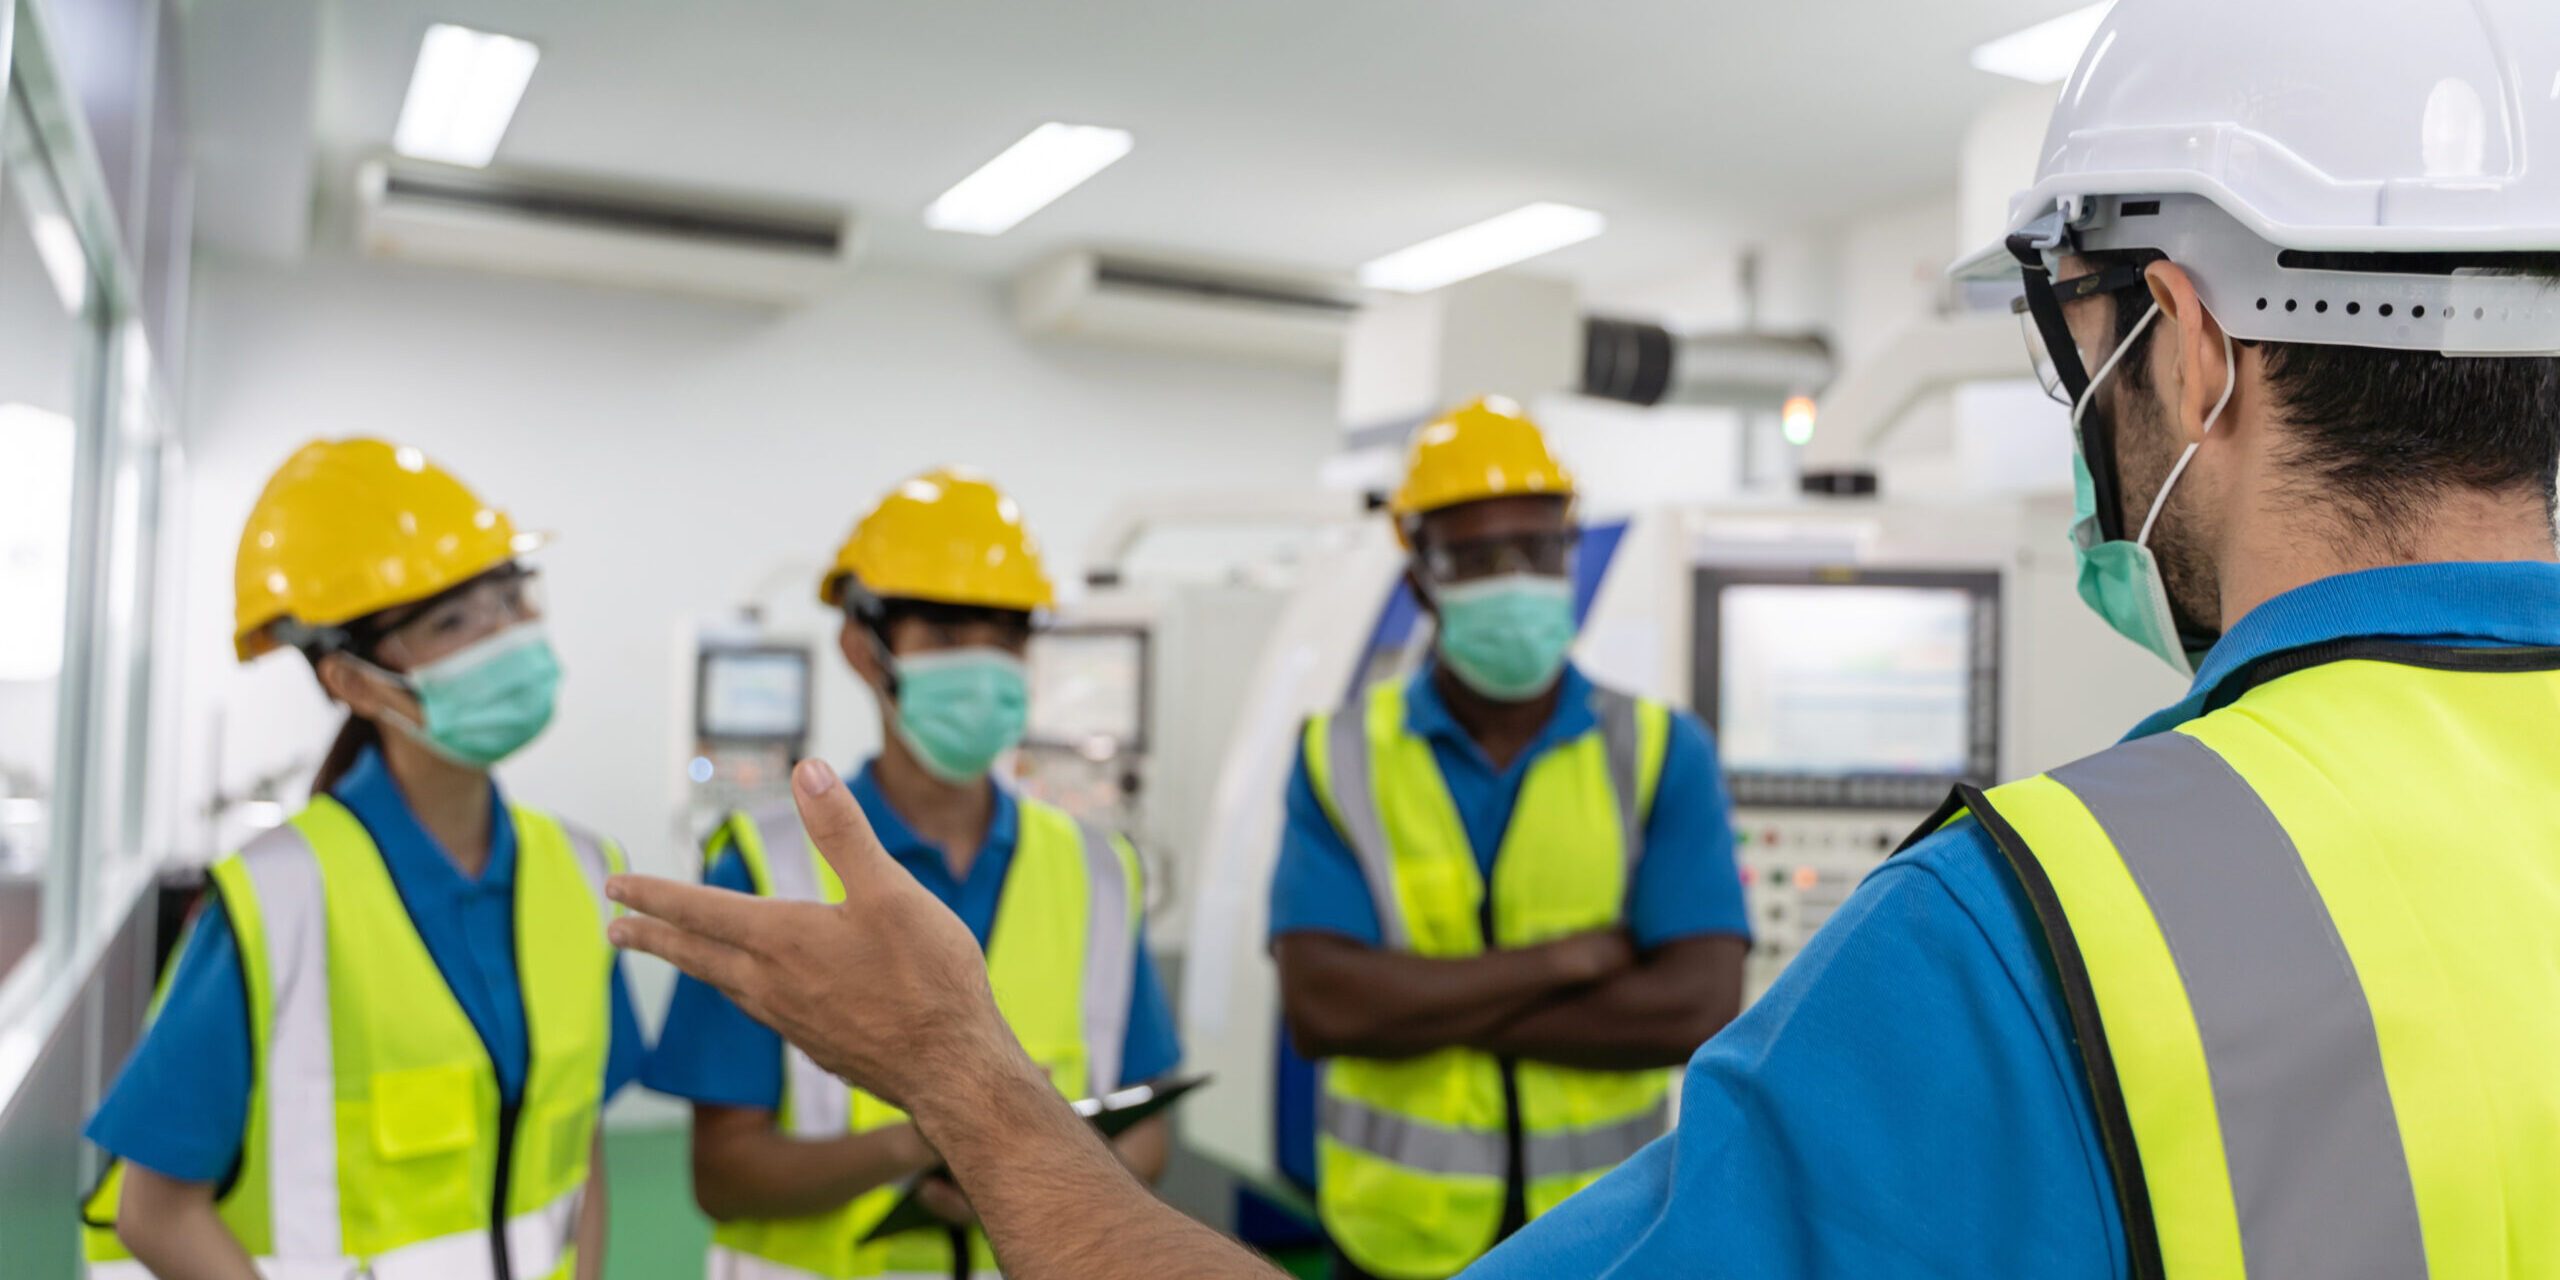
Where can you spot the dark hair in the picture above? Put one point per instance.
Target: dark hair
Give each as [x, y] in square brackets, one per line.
[353, 737]
[2385, 431]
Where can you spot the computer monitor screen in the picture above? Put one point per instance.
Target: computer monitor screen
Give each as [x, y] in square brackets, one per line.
[750, 694]
[1089, 688]
[1850, 688]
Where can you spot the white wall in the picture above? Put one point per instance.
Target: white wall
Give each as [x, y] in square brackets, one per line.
[689, 456]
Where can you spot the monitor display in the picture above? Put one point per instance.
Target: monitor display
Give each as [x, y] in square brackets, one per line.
[1089, 687]
[1842, 680]
[1849, 687]
[758, 693]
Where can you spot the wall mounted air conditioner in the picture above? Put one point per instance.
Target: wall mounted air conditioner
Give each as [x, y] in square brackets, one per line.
[710, 244]
[1280, 317]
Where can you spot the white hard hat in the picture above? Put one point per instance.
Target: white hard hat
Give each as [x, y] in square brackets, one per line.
[2299, 156]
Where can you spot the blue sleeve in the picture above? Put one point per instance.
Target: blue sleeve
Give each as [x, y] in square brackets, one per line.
[182, 1102]
[1800, 1150]
[1317, 883]
[630, 1046]
[1688, 884]
[710, 1050]
[1152, 1047]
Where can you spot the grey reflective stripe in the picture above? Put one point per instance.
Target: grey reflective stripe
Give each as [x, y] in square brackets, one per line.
[1622, 740]
[1110, 960]
[302, 1138]
[593, 863]
[2312, 1144]
[1355, 801]
[819, 1105]
[1597, 1150]
[1413, 1143]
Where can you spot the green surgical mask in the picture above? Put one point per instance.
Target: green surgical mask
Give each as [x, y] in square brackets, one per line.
[958, 709]
[2119, 580]
[484, 702]
[1506, 637]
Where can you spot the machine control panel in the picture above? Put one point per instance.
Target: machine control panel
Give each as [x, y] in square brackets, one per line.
[1797, 868]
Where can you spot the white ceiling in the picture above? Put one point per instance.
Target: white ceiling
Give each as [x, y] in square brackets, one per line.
[1316, 132]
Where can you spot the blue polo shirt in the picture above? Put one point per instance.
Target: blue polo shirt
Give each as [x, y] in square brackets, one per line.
[182, 1102]
[711, 1051]
[1906, 1101]
[1686, 886]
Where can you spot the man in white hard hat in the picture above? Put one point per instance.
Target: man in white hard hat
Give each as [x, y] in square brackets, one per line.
[2271, 989]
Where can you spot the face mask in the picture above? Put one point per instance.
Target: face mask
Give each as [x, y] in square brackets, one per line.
[1506, 637]
[961, 708]
[2121, 580]
[484, 702]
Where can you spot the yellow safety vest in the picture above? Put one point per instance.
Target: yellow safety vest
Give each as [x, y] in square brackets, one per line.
[1415, 1157]
[377, 1144]
[2310, 944]
[1061, 958]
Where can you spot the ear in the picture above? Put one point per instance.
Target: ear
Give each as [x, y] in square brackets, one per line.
[363, 692]
[855, 643]
[2190, 348]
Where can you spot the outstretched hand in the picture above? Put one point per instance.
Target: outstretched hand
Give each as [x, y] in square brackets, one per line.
[886, 989]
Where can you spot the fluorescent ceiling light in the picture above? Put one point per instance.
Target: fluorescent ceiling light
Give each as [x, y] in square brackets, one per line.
[1490, 245]
[462, 95]
[2046, 52]
[1048, 163]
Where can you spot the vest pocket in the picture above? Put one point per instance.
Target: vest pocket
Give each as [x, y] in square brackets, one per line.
[566, 1132]
[424, 1111]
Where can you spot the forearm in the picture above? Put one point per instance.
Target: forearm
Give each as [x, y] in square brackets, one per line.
[171, 1228]
[592, 1215]
[745, 1168]
[1347, 1000]
[1055, 1201]
[1653, 1015]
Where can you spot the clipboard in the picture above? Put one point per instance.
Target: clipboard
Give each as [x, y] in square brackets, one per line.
[1111, 1114]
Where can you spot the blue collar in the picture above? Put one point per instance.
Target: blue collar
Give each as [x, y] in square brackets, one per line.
[1004, 826]
[417, 861]
[2511, 603]
[1427, 714]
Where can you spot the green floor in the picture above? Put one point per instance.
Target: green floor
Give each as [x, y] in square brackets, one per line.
[659, 1235]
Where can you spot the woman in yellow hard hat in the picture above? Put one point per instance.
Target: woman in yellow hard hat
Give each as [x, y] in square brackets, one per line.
[384, 1046]
[939, 586]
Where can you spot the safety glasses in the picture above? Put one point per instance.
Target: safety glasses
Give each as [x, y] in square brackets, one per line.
[2050, 346]
[501, 598]
[1549, 553]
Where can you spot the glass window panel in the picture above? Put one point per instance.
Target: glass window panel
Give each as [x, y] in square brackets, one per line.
[46, 347]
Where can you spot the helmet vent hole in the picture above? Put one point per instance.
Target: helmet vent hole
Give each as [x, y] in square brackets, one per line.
[2262, 304]
[2479, 313]
[2386, 310]
[2355, 308]
[2418, 312]
[2322, 306]
[2293, 304]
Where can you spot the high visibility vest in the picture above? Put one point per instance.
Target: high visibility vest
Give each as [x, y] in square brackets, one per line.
[1415, 1157]
[377, 1143]
[1062, 958]
[2310, 944]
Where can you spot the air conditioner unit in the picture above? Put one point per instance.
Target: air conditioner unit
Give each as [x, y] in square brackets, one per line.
[1281, 317]
[596, 232]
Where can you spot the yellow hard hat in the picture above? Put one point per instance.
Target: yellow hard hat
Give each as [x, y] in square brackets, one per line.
[1486, 448]
[947, 536]
[348, 528]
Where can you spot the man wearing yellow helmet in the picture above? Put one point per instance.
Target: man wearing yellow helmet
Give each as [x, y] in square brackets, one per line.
[939, 586]
[384, 1046]
[1506, 901]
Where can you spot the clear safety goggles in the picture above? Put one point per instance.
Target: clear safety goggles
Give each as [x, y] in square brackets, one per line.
[1548, 553]
[508, 596]
[2064, 377]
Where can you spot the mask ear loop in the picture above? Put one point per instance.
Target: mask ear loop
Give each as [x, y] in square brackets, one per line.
[2230, 383]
